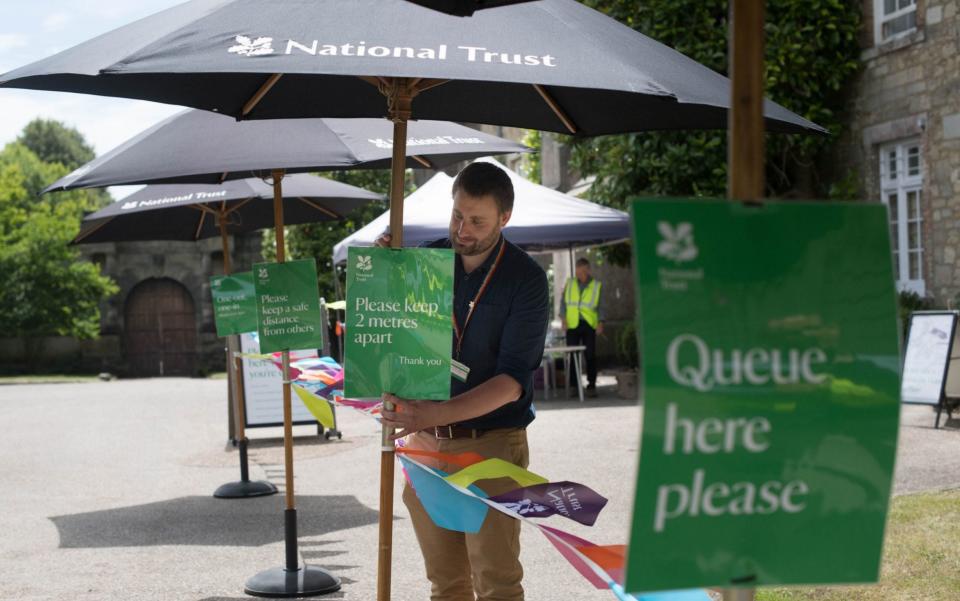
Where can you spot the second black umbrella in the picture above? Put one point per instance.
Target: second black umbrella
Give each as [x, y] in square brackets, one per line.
[196, 211]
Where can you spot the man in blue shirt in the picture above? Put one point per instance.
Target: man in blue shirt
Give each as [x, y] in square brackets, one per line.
[500, 321]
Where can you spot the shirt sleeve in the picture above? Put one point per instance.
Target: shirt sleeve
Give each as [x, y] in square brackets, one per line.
[525, 331]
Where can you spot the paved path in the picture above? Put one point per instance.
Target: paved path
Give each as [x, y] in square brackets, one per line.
[105, 493]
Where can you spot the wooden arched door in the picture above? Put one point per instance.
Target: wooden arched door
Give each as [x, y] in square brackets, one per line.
[160, 329]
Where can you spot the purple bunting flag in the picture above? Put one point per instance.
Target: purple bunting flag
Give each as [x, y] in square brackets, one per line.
[569, 499]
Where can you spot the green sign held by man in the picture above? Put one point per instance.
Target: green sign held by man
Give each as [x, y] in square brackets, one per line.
[771, 367]
[399, 328]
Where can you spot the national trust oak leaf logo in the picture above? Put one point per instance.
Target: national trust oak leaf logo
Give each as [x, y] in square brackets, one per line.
[252, 47]
[263, 273]
[364, 263]
[677, 243]
[132, 204]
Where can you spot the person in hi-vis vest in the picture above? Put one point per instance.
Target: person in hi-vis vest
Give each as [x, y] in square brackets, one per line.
[580, 312]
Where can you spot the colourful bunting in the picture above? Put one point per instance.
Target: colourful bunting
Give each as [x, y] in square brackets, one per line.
[575, 559]
[491, 469]
[446, 507]
[461, 459]
[569, 499]
[608, 557]
[318, 406]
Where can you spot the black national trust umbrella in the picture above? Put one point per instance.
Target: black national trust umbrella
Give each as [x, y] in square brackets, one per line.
[553, 65]
[203, 147]
[196, 211]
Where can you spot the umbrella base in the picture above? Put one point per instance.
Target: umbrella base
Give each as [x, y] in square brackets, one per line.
[245, 489]
[308, 581]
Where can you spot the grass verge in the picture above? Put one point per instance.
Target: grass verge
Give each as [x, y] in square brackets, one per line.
[920, 556]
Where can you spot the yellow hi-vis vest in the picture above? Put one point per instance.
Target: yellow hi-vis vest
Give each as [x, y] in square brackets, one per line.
[585, 305]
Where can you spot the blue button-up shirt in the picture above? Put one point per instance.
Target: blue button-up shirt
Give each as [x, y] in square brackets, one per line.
[507, 331]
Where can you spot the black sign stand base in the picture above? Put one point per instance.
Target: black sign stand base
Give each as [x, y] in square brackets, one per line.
[292, 580]
[950, 404]
[244, 488]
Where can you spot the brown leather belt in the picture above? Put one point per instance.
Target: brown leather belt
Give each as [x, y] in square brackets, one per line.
[451, 432]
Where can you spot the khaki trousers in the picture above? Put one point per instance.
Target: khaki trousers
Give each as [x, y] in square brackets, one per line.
[484, 566]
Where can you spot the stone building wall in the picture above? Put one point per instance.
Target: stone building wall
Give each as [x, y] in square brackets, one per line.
[909, 88]
[190, 264]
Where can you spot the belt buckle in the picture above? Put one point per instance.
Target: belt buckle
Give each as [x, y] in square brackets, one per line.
[437, 432]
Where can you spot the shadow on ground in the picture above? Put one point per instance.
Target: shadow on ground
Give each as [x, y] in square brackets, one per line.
[209, 521]
[299, 442]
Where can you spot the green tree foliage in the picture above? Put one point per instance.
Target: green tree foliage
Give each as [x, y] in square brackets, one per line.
[54, 142]
[530, 164]
[811, 52]
[316, 240]
[47, 290]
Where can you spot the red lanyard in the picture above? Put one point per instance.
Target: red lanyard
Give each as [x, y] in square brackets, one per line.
[457, 331]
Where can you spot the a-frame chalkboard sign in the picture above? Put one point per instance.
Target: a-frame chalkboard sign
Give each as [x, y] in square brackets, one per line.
[931, 362]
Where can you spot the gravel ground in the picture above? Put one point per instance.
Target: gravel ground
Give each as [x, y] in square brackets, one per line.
[107, 493]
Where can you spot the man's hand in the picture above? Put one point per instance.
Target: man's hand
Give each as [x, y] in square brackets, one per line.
[411, 416]
[383, 241]
[600, 328]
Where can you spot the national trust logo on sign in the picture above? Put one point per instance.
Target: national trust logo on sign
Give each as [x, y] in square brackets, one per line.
[263, 274]
[364, 268]
[677, 245]
[252, 47]
[132, 204]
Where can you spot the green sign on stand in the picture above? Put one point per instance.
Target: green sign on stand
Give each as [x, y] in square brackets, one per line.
[234, 305]
[771, 403]
[288, 306]
[399, 329]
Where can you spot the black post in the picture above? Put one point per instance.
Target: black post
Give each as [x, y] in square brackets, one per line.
[244, 488]
[244, 468]
[290, 534]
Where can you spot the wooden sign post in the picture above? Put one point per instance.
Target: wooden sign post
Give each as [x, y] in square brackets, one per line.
[745, 166]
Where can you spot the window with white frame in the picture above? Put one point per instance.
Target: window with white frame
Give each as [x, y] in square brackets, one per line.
[893, 19]
[901, 187]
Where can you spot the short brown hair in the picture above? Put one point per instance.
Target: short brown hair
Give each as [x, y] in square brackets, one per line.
[481, 179]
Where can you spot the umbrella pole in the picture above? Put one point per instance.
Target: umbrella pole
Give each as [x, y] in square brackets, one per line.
[746, 148]
[399, 95]
[290, 508]
[290, 580]
[243, 488]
